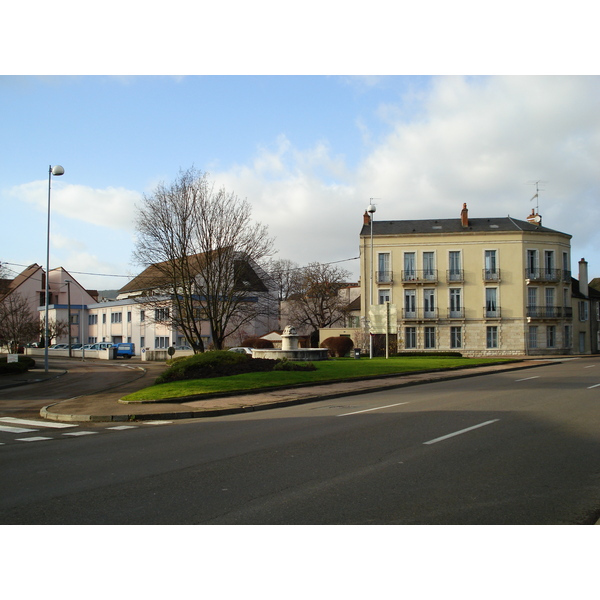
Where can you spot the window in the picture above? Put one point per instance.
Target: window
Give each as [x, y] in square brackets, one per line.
[491, 302]
[455, 302]
[532, 264]
[533, 336]
[74, 319]
[568, 341]
[549, 263]
[455, 337]
[565, 265]
[583, 310]
[409, 266]
[92, 340]
[410, 337]
[161, 314]
[142, 342]
[550, 336]
[428, 266]
[92, 319]
[550, 309]
[384, 275]
[429, 303]
[491, 270]
[142, 315]
[161, 342]
[383, 296]
[492, 337]
[410, 305]
[129, 316]
[429, 337]
[103, 317]
[116, 317]
[454, 273]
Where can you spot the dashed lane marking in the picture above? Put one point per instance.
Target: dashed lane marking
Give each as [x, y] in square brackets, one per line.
[445, 437]
[121, 427]
[51, 424]
[371, 409]
[33, 439]
[8, 429]
[77, 433]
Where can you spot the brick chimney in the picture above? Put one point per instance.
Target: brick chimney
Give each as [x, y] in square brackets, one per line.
[366, 218]
[464, 216]
[583, 277]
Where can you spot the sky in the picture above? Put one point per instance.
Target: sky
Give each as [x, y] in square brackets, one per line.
[307, 152]
[306, 118]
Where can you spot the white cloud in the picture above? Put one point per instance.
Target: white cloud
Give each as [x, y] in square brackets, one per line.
[111, 207]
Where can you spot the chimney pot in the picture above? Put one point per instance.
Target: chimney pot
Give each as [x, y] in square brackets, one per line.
[366, 218]
[464, 215]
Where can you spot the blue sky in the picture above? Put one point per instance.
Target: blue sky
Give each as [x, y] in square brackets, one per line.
[306, 151]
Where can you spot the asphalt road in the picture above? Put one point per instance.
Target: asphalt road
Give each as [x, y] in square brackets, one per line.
[510, 448]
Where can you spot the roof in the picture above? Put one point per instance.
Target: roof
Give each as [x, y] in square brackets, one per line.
[437, 226]
[156, 276]
[10, 285]
[593, 293]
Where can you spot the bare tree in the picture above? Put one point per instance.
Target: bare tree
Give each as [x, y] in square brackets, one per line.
[316, 302]
[283, 273]
[18, 325]
[204, 251]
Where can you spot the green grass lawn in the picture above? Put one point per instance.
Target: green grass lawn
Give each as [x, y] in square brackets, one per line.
[330, 370]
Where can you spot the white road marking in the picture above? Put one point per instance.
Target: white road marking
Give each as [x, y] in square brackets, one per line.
[445, 437]
[15, 429]
[120, 427]
[371, 409]
[527, 378]
[74, 433]
[156, 422]
[593, 386]
[32, 439]
[589, 366]
[35, 423]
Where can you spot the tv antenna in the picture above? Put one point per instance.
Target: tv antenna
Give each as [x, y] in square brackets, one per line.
[536, 196]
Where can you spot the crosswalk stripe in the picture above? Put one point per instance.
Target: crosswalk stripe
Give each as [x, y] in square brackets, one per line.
[32, 439]
[121, 427]
[80, 433]
[50, 424]
[15, 429]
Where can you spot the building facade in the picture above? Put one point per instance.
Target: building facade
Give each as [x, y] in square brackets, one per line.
[497, 287]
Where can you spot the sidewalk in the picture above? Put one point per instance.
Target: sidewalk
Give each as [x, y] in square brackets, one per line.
[106, 406]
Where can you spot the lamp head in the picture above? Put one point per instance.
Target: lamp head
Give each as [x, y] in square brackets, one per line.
[371, 208]
[57, 170]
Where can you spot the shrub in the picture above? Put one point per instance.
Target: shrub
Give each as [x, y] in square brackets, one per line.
[257, 343]
[25, 363]
[289, 365]
[338, 346]
[217, 363]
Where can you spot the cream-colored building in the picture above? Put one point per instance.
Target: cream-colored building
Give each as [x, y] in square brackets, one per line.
[482, 286]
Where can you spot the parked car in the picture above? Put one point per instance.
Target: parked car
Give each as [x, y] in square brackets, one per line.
[58, 347]
[76, 346]
[125, 349]
[241, 350]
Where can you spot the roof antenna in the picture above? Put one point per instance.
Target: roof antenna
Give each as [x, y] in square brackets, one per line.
[536, 196]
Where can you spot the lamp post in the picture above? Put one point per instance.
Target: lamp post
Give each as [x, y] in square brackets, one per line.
[68, 282]
[56, 171]
[371, 210]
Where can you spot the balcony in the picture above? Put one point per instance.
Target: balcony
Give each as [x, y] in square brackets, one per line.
[420, 276]
[491, 275]
[549, 312]
[384, 276]
[491, 312]
[456, 313]
[455, 276]
[546, 275]
[419, 314]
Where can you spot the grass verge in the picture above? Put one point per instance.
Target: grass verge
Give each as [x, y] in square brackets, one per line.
[327, 371]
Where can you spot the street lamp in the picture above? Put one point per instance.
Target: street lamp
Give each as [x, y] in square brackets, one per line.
[68, 282]
[56, 171]
[371, 210]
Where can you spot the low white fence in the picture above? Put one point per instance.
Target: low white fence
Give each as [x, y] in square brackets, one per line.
[146, 354]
